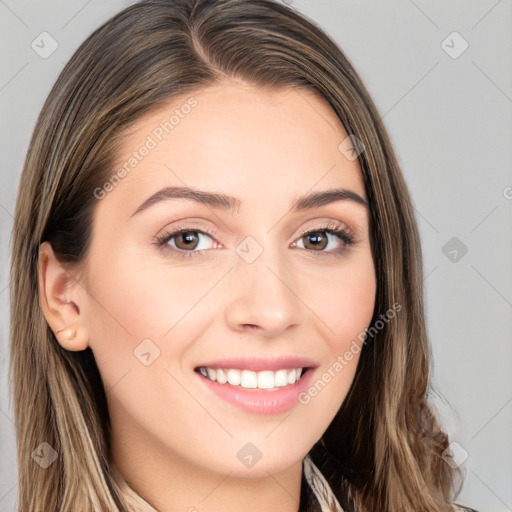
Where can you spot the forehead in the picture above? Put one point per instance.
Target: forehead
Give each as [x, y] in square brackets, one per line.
[239, 138]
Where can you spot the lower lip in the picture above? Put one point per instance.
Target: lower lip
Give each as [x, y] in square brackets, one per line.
[261, 401]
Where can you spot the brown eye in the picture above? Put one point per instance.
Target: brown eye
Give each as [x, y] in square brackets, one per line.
[318, 240]
[186, 240]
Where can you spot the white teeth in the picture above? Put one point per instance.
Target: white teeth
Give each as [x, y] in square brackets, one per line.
[266, 380]
[280, 379]
[221, 376]
[234, 377]
[248, 379]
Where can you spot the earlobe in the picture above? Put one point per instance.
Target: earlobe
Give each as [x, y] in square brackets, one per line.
[72, 338]
[58, 296]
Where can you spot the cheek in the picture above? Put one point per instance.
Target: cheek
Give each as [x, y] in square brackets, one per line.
[344, 301]
[342, 297]
[125, 308]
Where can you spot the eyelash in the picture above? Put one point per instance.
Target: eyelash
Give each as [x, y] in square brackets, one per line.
[333, 228]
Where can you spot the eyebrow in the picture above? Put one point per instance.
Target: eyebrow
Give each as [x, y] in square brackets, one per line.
[230, 203]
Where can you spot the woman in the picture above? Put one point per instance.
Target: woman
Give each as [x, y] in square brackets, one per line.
[217, 279]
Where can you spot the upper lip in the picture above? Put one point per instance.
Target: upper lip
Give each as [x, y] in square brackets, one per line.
[260, 363]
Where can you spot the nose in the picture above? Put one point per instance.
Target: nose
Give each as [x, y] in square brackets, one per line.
[263, 296]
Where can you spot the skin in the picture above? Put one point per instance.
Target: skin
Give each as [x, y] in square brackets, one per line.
[173, 441]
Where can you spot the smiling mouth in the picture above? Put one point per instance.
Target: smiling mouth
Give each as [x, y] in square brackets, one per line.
[249, 379]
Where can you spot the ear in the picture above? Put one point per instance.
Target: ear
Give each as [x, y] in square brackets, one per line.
[58, 298]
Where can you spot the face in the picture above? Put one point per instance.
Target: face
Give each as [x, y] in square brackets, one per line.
[255, 285]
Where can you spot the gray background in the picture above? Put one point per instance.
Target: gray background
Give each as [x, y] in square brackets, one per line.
[450, 121]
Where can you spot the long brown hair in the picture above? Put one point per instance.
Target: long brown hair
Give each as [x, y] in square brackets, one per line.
[382, 452]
